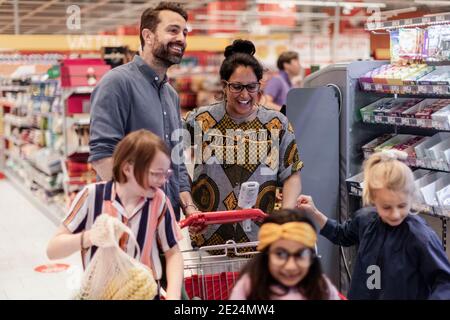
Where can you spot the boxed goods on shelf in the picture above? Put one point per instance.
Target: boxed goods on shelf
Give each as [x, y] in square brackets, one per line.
[429, 185]
[440, 76]
[82, 72]
[411, 42]
[402, 142]
[421, 148]
[369, 148]
[355, 184]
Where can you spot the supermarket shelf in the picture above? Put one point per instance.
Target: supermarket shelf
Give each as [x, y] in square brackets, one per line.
[77, 90]
[407, 122]
[14, 88]
[434, 211]
[52, 211]
[413, 22]
[438, 90]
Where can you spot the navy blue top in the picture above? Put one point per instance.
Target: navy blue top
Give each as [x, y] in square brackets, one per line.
[410, 257]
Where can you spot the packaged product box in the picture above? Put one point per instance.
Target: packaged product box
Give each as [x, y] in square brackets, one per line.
[439, 76]
[408, 146]
[436, 152]
[82, 72]
[421, 148]
[399, 75]
[394, 141]
[395, 45]
[443, 191]
[432, 42]
[368, 76]
[441, 118]
[411, 42]
[383, 107]
[367, 111]
[413, 79]
[355, 184]
[419, 173]
[369, 147]
[429, 193]
[421, 110]
[427, 187]
[443, 53]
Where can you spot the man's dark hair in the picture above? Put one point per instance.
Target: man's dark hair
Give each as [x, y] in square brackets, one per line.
[286, 57]
[150, 17]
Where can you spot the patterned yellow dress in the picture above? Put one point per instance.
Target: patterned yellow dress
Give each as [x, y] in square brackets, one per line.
[228, 154]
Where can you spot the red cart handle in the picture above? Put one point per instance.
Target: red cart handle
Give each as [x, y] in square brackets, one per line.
[220, 217]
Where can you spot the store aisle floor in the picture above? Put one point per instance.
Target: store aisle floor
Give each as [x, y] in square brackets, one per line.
[24, 234]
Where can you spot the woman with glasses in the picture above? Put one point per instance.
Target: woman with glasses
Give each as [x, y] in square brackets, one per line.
[237, 140]
[141, 166]
[287, 267]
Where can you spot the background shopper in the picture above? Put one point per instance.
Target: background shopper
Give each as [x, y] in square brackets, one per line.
[277, 87]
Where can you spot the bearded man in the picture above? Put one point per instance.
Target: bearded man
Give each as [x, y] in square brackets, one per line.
[137, 96]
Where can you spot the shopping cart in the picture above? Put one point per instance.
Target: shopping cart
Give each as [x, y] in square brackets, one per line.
[211, 277]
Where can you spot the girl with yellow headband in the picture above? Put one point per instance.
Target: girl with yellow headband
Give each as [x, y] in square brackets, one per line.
[287, 267]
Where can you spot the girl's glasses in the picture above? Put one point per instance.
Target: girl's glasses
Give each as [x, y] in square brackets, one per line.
[161, 174]
[237, 87]
[281, 256]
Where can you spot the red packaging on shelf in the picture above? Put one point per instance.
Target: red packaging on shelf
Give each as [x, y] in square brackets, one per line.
[82, 72]
[79, 103]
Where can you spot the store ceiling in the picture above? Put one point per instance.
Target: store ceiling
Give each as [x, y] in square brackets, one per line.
[50, 17]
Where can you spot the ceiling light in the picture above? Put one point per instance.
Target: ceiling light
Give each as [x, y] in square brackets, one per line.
[327, 3]
[432, 2]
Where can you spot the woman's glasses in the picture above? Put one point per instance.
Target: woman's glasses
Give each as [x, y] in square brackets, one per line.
[280, 256]
[237, 87]
[161, 174]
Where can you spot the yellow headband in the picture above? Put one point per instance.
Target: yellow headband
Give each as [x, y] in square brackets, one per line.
[297, 231]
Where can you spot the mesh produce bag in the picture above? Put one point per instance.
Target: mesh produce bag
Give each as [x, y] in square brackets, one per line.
[113, 274]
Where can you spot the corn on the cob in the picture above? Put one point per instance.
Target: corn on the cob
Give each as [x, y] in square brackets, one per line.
[139, 286]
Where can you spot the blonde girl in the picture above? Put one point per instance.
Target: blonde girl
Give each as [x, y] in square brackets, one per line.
[399, 255]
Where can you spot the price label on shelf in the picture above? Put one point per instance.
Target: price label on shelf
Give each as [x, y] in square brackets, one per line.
[398, 120]
[408, 22]
[440, 18]
[412, 122]
[378, 119]
[422, 89]
[438, 90]
[421, 122]
[378, 87]
[425, 20]
[406, 89]
[384, 119]
[395, 89]
[392, 120]
[367, 86]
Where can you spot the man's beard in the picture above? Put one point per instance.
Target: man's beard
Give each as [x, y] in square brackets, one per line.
[163, 54]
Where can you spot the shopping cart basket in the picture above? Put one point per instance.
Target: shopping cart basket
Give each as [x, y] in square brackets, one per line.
[211, 277]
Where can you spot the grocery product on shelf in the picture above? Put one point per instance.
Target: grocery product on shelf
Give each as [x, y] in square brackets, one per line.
[411, 41]
[427, 113]
[439, 76]
[433, 196]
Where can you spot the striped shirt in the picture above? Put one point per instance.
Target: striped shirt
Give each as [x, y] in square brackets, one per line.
[89, 203]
